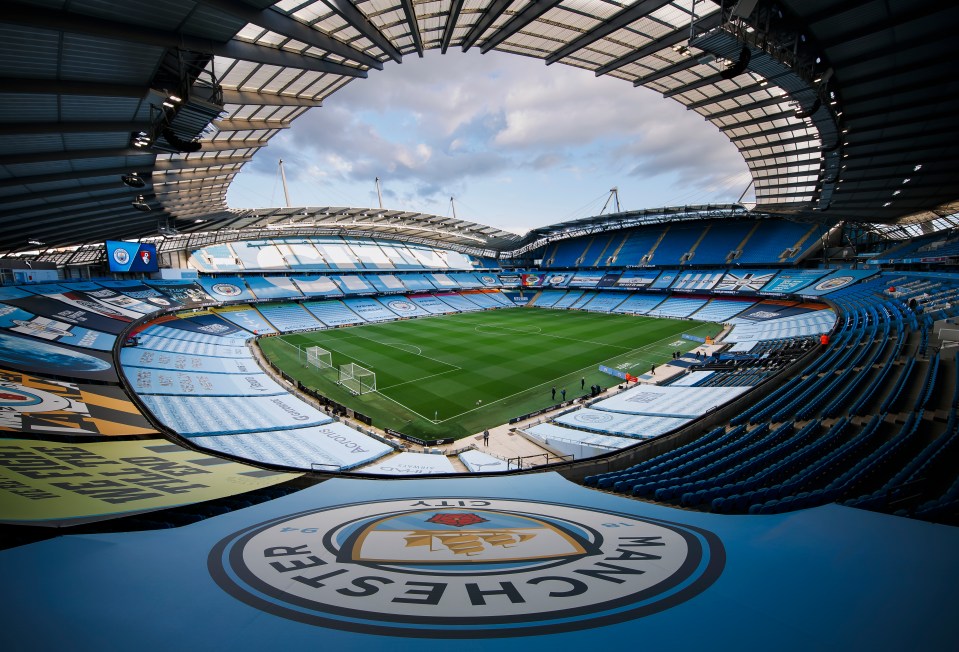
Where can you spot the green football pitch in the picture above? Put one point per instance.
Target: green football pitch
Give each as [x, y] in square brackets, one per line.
[454, 375]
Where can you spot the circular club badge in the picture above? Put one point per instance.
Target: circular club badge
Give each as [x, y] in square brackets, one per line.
[834, 283]
[121, 256]
[226, 289]
[465, 568]
[19, 399]
[401, 306]
[591, 417]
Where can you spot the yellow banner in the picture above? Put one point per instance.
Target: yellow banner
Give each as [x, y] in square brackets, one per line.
[49, 483]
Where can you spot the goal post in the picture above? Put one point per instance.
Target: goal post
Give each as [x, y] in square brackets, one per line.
[357, 379]
[319, 357]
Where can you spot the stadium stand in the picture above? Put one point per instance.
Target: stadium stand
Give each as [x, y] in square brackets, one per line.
[431, 304]
[273, 287]
[332, 313]
[370, 309]
[639, 304]
[289, 317]
[679, 306]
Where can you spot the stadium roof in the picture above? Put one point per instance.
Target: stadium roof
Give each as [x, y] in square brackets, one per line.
[842, 110]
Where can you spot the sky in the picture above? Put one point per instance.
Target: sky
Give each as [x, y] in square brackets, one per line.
[516, 143]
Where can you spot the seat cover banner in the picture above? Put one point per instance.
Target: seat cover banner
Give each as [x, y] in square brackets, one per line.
[524, 564]
[47, 483]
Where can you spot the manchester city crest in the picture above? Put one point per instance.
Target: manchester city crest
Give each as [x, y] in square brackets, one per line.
[465, 567]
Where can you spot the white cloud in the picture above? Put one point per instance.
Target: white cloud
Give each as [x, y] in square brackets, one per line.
[454, 124]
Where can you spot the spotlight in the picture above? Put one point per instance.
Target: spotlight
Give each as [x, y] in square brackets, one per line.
[174, 98]
[141, 205]
[133, 180]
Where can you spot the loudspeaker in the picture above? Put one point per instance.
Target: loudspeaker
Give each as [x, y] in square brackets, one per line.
[739, 67]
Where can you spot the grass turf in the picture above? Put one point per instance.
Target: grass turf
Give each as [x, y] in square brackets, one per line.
[454, 375]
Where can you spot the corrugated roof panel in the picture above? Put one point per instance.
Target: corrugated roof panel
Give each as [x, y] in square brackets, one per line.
[28, 52]
[108, 60]
[81, 107]
[166, 15]
[18, 107]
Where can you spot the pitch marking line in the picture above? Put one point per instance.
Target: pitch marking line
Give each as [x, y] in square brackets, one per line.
[416, 380]
[400, 346]
[550, 382]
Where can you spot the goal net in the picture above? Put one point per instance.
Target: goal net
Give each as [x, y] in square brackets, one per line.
[319, 357]
[357, 379]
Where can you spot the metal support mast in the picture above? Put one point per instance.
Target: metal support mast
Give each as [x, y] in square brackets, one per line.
[286, 191]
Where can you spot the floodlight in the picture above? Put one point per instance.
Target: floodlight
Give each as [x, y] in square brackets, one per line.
[133, 180]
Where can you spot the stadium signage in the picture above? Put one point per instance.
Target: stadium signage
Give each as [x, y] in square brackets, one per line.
[417, 440]
[434, 567]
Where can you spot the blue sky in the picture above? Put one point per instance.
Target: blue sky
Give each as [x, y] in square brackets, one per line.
[517, 143]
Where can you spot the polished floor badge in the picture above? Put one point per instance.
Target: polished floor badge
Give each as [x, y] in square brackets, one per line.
[465, 567]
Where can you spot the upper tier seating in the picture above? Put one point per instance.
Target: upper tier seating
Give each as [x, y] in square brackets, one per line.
[288, 317]
[273, 287]
[332, 313]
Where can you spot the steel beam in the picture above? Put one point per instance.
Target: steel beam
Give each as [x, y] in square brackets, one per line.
[231, 96]
[669, 40]
[531, 12]
[488, 17]
[70, 155]
[455, 7]
[410, 13]
[39, 179]
[358, 21]
[291, 28]
[683, 64]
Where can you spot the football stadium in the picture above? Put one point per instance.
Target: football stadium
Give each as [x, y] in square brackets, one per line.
[716, 425]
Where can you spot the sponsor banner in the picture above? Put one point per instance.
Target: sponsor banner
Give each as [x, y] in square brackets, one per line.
[478, 462]
[517, 298]
[637, 279]
[556, 279]
[774, 310]
[613, 372]
[139, 291]
[789, 281]
[20, 321]
[836, 281]
[42, 483]
[183, 383]
[693, 338]
[532, 280]
[411, 464]
[187, 294]
[205, 322]
[586, 279]
[608, 280]
[227, 288]
[30, 405]
[664, 280]
[510, 279]
[119, 301]
[743, 280]
[697, 280]
[50, 359]
[76, 312]
[489, 280]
